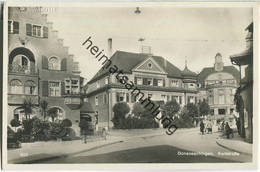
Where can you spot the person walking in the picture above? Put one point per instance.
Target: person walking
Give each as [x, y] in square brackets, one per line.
[202, 127]
[228, 130]
[238, 125]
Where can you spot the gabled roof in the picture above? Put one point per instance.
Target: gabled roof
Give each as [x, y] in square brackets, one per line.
[127, 61]
[209, 70]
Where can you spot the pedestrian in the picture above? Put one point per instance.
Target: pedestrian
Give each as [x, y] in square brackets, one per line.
[209, 127]
[202, 127]
[228, 130]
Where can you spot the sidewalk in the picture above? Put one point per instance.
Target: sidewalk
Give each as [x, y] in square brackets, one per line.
[236, 144]
[37, 151]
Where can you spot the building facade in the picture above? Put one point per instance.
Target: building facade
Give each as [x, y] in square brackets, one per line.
[160, 80]
[40, 67]
[218, 86]
[245, 62]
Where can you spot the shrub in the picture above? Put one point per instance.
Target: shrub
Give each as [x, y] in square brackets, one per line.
[171, 108]
[15, 123]
[192, 110]
[40, 130]
[66, 123]
[204, 108]
[120, 110]
[138, 109]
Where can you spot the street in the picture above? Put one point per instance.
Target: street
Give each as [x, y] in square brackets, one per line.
[182, 147]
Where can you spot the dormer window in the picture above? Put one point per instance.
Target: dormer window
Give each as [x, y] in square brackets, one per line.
[98, 84]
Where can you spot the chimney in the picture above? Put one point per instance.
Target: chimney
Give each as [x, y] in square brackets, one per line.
[110, 51]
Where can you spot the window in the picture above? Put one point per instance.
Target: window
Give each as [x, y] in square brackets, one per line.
[221, 96]
[106, 80]
[120, 97]
[191, 99]
[30, 88]
[16, 87]
[96, 100]
[163, 97]
[175, 83]
[160, 82]
[97, 83]
[37, 31]
[149, 81]
[149, 65]
[127, 97]
[139, 81]
[13, 27]
[175, 98]
[74, 82]
[54, 89]
[54, 63]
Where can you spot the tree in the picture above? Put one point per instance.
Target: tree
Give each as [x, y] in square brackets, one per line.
[28, 105]
[66, 123]
[171, 108]
[53, 113]
[15, 123]
[44, 107]
[204, 108]
[138, 109]
[120, 110]
[192, 110]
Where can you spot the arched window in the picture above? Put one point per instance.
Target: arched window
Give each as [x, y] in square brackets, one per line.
[30, 88]
[21, 63]
[54, 63]
[16, 87]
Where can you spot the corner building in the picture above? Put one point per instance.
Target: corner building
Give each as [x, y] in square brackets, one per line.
[40, 67]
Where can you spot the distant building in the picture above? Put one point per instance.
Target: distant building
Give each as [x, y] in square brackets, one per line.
[218, 85]
[245, 61]
[40, 67]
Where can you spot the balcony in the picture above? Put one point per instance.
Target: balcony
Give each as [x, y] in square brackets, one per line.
[22, 70]
[221, 85]
[73, 101]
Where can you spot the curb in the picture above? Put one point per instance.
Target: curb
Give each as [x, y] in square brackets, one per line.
[64, 155]
[230, 149]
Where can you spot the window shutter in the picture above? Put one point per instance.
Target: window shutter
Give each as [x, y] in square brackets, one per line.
[62, 88]
[145, 81]
[135, 80]
[28, 29]
[45, 89]
[64, 64]
[9, 26]
[117, 97]
[45, 32]
[16, 27]
[44, 62]
[164, 82]
[155, 82]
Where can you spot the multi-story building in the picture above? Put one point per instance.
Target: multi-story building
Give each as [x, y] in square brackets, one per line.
[156, 77]
[218, 85]
[160, 80]
[40, 67]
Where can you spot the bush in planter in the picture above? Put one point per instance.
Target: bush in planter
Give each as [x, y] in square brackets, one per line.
[137, 123]
[15, 123]
[41, 130]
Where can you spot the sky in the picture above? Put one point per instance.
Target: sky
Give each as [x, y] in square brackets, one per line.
[177, 34]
